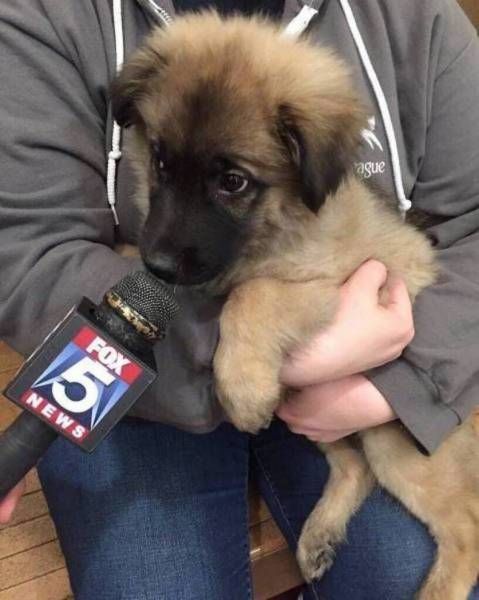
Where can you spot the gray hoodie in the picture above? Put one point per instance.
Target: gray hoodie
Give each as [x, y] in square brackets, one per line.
[57, 232]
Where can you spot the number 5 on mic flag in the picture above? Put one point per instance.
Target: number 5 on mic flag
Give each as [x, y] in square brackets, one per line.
[83, 384]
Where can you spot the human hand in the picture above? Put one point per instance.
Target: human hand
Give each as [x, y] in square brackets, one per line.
[329, 411]
[9, 503]
[366, 331]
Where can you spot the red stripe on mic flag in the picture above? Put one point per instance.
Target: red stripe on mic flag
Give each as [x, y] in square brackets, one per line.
[85, 337]
[128, 373]
[131, 372]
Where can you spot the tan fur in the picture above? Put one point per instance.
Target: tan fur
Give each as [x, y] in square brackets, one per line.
[127, 250]
[284, 285]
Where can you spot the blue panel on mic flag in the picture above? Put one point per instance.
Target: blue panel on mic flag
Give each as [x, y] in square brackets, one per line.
[80, 380]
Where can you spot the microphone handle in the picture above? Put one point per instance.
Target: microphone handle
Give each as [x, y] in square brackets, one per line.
[21, 446]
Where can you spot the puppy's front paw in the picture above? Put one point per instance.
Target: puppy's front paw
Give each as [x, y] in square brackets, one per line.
[247, 387]
[315, 554]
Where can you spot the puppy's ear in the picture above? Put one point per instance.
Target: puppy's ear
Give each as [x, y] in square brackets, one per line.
[132, 83]
[322, 145]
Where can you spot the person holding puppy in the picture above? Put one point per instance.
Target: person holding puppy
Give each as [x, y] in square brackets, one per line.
[174, 500]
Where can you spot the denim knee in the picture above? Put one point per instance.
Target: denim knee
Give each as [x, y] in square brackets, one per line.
[153, 514]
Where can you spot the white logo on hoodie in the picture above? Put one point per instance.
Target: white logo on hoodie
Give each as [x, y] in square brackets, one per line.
[369, 136]
[366, 169]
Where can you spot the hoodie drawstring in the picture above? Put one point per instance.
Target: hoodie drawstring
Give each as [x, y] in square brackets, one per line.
[404, 204]
[115, 153]
[300, 22]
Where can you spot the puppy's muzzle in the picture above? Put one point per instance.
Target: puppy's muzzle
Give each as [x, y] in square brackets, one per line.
[184, 268]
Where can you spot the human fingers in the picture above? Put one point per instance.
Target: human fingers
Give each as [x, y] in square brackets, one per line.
[398, 313]
[398, 299]
[9, 503]
[349, 403]
[322, 406]
[367, 280]
[313, 429]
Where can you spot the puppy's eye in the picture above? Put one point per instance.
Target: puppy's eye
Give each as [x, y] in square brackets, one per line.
[233, 182]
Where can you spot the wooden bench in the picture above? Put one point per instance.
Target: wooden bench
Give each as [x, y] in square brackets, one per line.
[471, 8]
[32, 566]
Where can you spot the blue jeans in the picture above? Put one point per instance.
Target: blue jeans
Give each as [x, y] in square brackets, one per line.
[157, 513]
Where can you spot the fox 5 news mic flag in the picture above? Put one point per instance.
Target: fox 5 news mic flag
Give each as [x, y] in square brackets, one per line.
[87, 373]
[84, 383]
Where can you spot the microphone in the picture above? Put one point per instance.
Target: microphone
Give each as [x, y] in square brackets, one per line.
[86, 374]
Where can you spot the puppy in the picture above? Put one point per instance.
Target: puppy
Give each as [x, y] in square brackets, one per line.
[244, 143]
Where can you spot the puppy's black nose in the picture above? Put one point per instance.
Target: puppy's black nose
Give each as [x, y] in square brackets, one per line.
[184, 268]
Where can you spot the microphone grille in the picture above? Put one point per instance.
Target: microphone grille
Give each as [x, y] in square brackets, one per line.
[148, 297]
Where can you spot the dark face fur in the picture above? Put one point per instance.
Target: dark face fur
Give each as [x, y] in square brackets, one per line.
[225, 161]
[201, 208]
